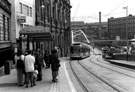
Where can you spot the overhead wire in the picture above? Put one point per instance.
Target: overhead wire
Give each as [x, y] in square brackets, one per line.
[115, 8]
[76, 10]
[108, 14]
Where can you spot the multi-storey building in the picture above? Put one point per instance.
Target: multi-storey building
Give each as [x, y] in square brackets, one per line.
[5, 31]
[121, 28]
[23, 15]
[54, 15]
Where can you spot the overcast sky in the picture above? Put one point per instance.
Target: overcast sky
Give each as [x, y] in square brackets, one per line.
[88, 10]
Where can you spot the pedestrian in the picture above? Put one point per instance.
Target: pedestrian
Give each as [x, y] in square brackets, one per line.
[35, 73]
[39, 63]
[55, 64]
[46, 59]
[19, 58]
[29, 68]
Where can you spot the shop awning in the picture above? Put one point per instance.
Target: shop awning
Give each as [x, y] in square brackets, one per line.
[37, 33]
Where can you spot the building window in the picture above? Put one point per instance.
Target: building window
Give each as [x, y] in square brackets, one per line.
[8, 25]
[21, 10]
[4, 28]
[54, 13]
[1, 28]
[24, 9]
[28, 12]
[31, 11]
[58, 15]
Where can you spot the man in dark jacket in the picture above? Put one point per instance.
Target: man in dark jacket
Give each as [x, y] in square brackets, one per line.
[55, 64]
[46, 59]
[39, 63]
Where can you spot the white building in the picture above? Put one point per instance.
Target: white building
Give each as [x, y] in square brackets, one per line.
[23, 14]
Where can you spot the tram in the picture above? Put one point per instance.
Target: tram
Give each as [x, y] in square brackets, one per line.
[79, 51]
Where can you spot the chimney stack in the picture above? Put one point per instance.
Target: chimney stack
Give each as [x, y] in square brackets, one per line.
[99, 24]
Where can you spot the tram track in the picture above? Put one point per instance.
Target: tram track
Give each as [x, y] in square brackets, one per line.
[79, 81]
[105, 80]
[112, 69]
[98, 77]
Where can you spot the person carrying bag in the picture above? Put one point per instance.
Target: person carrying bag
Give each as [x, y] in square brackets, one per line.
[20, 68]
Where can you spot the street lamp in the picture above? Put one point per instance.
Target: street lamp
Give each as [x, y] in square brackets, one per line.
[43, 5]
[126, 29]
[43, 12]
[43, 16]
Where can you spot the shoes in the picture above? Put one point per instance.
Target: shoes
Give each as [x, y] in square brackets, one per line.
[54, 80]
[20, 85]
[34, 84]
[39, 79]
[26, 86]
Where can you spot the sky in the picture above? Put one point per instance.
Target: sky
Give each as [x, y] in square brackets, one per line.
[88, 10]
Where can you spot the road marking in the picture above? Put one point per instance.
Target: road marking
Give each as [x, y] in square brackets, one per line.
[69, 81]
[53, 87]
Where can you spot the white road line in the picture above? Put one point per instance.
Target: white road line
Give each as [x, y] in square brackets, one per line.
[51, 90]
[53, 87]
[69, 81]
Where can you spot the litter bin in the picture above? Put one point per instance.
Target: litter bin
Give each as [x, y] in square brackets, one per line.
[7, 67]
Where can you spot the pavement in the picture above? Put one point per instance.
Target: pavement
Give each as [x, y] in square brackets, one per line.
[124, 63]
[8, 83]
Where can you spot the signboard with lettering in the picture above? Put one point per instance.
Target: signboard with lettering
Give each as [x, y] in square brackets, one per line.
[21, 19]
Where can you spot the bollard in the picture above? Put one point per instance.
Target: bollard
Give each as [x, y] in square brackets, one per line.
[7, 67]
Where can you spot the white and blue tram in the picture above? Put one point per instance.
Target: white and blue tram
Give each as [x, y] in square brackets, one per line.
[79, 51]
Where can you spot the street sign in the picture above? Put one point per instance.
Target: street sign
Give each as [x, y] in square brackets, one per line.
[21, 19]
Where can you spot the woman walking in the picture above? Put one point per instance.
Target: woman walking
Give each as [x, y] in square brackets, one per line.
[55, 64]
[19, 58]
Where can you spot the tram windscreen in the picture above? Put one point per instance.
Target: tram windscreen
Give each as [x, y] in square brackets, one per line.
[75, 50]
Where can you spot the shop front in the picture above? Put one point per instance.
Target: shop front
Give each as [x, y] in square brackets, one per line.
[35, 37]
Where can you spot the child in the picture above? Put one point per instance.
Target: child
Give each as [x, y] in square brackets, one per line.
[35, 73]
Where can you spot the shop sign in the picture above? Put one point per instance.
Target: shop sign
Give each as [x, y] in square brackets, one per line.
[21, 19]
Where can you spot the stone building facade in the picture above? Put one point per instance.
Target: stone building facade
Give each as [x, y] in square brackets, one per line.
[5, 31]
[54, 15]
[23, 15]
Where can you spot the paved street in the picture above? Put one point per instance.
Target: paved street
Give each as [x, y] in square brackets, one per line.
[8, 83]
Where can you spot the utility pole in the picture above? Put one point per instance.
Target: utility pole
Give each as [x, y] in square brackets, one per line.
[126, 29]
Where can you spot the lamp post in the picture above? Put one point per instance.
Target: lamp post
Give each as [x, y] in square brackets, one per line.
[126, 29]
[43, 16]
[43, 12]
